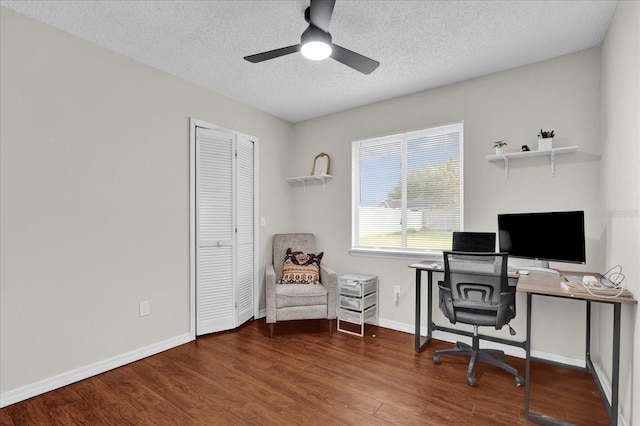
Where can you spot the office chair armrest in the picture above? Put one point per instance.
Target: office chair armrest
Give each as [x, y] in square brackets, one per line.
[506, 309]
[329, 279]
[270, 288]
[446, 303]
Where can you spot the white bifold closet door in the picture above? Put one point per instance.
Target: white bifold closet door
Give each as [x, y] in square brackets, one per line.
[224, 230]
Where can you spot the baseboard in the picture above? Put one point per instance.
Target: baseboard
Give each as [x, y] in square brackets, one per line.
[64, 379]
[606, 385]
[509, 350]
[397, 326]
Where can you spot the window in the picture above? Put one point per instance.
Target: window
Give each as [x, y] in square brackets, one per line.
[407, 193]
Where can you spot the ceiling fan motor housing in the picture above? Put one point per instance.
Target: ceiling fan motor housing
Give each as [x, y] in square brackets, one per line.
[313, 33]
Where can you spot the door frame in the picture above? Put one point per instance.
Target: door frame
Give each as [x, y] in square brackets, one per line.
[193, 124]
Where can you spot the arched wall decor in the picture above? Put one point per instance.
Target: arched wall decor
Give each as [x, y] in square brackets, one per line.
[326, 172]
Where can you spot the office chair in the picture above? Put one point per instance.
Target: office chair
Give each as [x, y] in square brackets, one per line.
[476, 291]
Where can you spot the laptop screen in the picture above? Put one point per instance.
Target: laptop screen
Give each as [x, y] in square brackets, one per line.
[474, 241]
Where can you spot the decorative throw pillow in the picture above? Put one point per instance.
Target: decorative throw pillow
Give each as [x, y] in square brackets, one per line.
[301, 268]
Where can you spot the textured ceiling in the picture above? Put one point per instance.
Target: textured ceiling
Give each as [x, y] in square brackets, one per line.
[419, 44]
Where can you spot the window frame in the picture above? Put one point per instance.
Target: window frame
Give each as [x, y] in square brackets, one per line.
[402, 138]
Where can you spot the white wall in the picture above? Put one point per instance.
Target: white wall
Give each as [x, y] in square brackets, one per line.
[620, 182]
[95, 200]
[560, 94]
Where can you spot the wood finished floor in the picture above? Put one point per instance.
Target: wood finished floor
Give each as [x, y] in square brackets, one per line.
[303, 376]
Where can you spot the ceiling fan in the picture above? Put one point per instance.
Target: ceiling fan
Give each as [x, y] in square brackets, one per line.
[316, 44]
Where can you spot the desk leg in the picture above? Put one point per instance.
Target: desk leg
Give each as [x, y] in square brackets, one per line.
[419, 343]
[587, 354]
[430, 303]
[613, 415]
[612, 409]
[610, 406]
[418, 299]
[527, 385]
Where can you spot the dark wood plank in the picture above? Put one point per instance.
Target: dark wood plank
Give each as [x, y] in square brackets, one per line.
[5, 419]
[304, 376]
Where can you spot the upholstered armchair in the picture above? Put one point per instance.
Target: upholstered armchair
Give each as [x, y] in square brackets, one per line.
[294, 300]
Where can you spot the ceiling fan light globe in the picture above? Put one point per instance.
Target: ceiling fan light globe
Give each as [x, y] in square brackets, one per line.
[316, 50]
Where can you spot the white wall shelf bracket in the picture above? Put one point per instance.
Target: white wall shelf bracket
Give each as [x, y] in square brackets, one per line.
[525, 154]
[306, 179]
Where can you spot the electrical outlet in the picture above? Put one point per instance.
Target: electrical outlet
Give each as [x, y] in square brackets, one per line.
[396, 293]
[144, 308]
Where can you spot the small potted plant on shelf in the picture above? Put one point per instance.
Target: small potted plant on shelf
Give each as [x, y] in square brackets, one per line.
[545, 140]
[499, 146]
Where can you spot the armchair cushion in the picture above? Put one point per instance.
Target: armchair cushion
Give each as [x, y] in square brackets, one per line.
[301, 268]
[300, 295]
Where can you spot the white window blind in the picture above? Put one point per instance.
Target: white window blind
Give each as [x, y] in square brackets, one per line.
[407, 192]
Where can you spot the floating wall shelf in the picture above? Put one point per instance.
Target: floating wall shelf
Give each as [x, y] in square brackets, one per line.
[306, 179]
[526, 154]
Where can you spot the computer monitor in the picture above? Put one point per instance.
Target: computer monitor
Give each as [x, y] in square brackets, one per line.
[474, 241]
[552, 236]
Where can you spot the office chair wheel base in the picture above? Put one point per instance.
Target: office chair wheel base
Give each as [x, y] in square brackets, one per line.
[472, 381]
[519, 381]
[436, 359]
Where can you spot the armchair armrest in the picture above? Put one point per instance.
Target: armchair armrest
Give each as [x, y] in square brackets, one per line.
[270, 297]
[329, 279]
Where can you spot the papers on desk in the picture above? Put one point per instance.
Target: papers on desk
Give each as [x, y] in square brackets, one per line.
[571, 285]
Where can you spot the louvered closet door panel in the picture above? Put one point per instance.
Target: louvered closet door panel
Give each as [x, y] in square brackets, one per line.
[245, 224]
[215, 231]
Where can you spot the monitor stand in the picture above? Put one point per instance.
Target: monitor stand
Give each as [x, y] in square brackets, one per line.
[544, 268]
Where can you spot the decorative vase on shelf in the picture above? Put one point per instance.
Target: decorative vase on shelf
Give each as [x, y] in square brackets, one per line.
[545, 144]
[499, 151]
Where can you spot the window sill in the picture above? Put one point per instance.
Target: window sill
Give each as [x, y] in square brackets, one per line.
[397, 254]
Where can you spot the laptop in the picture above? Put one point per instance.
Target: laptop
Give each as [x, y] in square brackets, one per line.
[474, 242]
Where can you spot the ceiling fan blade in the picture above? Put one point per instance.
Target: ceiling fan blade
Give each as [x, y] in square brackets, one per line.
[271, 54]
[354, 60]
[320, 13]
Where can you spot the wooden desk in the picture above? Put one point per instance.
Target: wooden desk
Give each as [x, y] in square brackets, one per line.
[541, 284]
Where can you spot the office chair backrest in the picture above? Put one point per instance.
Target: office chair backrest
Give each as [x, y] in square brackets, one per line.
[476, 280]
